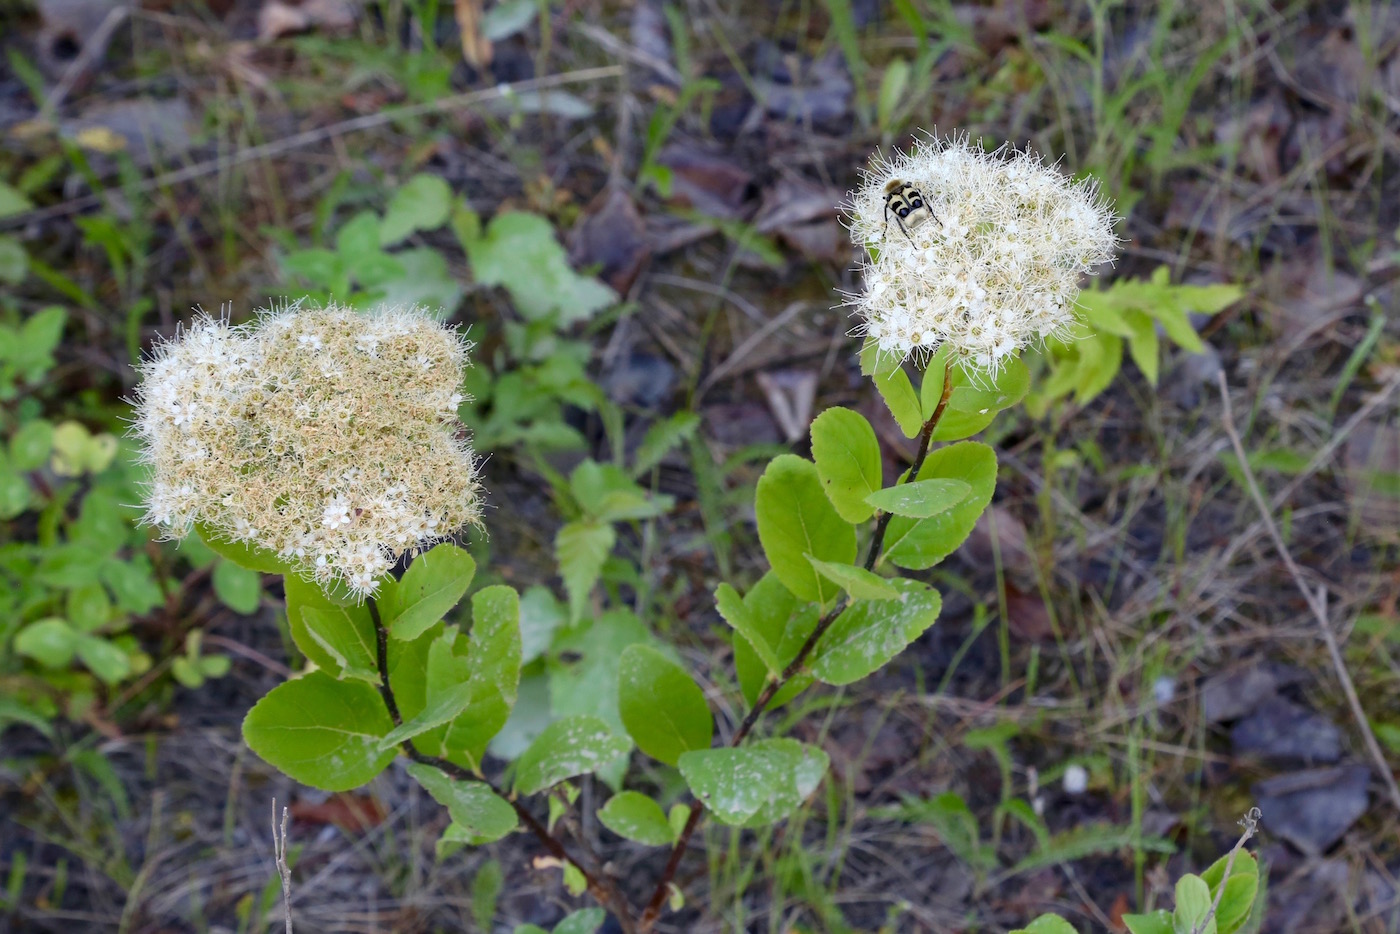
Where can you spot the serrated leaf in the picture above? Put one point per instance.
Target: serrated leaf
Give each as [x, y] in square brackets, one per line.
[606, 493]
[663, 709]
[756, 784]
[429, 589]
[921, 543]
[581, 548]
[847, 456]
[856, 581]
[638, 818]
[795, 519]
[473, 805]
[321, 732]
[921, 499]
[869, 633]
[661, 438]
[568, 747]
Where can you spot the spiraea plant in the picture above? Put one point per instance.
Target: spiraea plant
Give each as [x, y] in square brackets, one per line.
[323, 444]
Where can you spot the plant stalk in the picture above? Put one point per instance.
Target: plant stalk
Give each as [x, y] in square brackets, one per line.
[599, 886]
[658, 896]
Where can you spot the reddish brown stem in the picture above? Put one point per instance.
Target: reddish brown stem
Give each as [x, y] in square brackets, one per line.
[600, 887]
[659, 894]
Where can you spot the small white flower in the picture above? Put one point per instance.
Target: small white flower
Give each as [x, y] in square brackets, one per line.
[337, 513]
[995, 263]
[1164, 689]
[1076, 780]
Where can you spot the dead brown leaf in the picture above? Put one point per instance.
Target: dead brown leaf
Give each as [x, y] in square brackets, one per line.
[353, 813]
[476, 48]
[612, 237]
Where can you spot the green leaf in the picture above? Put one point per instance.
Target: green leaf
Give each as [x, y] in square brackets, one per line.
[795, 519]
[662, 438]
[921, 499]
[606, 493]
[242, 554]
[486, 889]
[581, 548]
[1158, 922]
[756, 784]
[1240, 890]
[339, 639]
[921, 543]
[638, 818]
[421, 203]
[568, 747]
[1193, 904]
[1143, 344]
[731, 607]
[584, 663]
[50, 641]
[898, 392]
[583, 921]
[856, 581]
[13, 201]
[847, 455]
[488, 671]
[88, 607]
[108, 662]
[540, 617]
[473, 805]
[519, 251]
[431, 587]
[237, 588]
[30, 446]
[1047, 924]
[784, 622]
[663, 709]
[869, 633]
[14, 494]
[321, 732]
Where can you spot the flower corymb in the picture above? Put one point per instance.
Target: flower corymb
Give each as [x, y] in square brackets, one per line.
[327, 436]
[981, 251]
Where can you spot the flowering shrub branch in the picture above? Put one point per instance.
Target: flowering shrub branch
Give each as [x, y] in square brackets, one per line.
[324, 445]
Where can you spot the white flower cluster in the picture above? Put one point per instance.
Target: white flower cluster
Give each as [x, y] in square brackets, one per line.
[324, 435]
[989, 263]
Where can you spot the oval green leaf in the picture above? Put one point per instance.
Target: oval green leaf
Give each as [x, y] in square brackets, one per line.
[795, 519]
[784, 622]
[568, 747]
[920, 499]
[636, 817]
[473, 805]
[921, 543]
[321, 732]
[847, 455]
[858, 582]
[339, 639]
[431, 586]
[869, 633]
[756, 784]
[243, 554]
[663, 710]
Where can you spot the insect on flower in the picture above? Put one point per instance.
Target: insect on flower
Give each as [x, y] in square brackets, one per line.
[908, 203]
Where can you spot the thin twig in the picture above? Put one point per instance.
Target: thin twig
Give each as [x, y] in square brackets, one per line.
[279, 853]
[774, 685]
[1317, 601]
[312, 137]
[1250, 823]
[599, 886]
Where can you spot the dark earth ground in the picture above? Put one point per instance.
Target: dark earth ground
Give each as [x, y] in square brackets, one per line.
[1171, 647]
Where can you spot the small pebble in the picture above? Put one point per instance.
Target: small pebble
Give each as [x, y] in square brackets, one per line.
[1076, 780]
